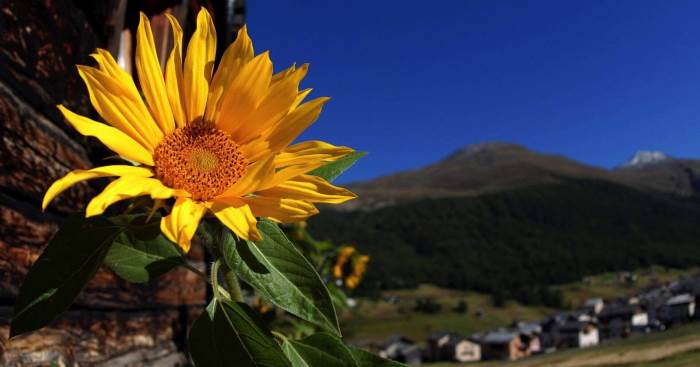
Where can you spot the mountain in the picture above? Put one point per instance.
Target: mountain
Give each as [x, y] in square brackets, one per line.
[495, 166]
[644, 158]
[500, 218]
[672, 175]
[517, 242]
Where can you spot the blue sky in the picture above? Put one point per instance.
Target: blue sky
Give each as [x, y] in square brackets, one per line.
[412, 81]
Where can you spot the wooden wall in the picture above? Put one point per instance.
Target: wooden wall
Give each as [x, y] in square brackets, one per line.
[113, 323]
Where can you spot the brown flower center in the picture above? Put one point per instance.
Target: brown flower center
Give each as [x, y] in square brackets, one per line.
[199, 159]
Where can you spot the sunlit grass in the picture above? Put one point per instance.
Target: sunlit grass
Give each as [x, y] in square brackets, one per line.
[376, 320]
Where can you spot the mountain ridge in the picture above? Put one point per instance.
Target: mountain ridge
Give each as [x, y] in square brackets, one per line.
[488, 167]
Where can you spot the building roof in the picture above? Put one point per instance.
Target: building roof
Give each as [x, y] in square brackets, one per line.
[619, 310]
[680, 299]
[591, 302]
[440, 334]
[499, 337]
[456, 340]
[530, 328]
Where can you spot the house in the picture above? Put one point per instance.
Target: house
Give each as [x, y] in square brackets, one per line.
[436, 341]
[464, 350]
[578, 334]
[550, 338]
[654, 301]
[548, 342]
[687, 285]
[530, 334]
[502, 345]
[619, 320]
[400, 349]
[690, 285]
[678, 309]
[558, 330]
[593, 306]
[449, 346]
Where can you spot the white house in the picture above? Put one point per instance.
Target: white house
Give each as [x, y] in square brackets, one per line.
[448, 346]
[579, 334]
[464, 350]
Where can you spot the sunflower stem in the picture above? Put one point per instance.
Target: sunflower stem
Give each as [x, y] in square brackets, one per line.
[234, 288]
[282, 338]
[215, 279]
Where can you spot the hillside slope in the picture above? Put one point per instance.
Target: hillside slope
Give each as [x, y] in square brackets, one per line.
[514, 241]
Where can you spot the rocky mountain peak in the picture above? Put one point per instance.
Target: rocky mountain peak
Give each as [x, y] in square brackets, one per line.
[645, 158]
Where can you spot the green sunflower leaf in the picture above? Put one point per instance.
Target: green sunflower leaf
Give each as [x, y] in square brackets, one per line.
[229, 334]
[142, 253]
[65, 266]
[281, 273]
[319, 350]
[334, 169]
[367, 359]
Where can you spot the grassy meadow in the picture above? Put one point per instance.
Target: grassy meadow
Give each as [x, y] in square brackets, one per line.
[378, 319]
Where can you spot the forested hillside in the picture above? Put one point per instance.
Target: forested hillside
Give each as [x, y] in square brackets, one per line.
[514, 243]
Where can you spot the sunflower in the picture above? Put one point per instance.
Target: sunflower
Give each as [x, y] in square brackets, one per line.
[358, 272]
[212, 141]
[342, 259]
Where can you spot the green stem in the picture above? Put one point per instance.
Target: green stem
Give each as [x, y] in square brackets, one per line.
[234, 288]
[282, 338]
[215, 279]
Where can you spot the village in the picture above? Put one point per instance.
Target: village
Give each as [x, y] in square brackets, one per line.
[596, 321]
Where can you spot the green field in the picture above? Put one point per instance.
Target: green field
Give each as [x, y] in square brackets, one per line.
[608, 287]
[377, 319]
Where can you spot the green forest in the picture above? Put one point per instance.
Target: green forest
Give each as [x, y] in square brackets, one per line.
[514, 244]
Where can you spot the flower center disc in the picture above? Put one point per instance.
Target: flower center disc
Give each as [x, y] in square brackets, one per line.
[199, 159]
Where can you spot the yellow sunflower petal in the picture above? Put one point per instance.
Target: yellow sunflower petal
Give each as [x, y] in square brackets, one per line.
[300, 98]
[112, 138]
[295, 123]
[310, 188]
[151, 76]
[244, 95]
[79, 175]
[281, 209]
[258, 174]
[310, 151]
[182, 222]
[173, 74]
[127, 187]
[232, 61]
[288, 173]
[120, 107]
[256, 149]
[199, 63]
[282, 74]
[109, 65]
[273, 107]
[236, 215]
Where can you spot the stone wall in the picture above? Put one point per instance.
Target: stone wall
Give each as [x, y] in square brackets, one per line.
[113, 323]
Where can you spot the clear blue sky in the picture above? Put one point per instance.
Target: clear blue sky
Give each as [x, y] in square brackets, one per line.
[411, 81]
